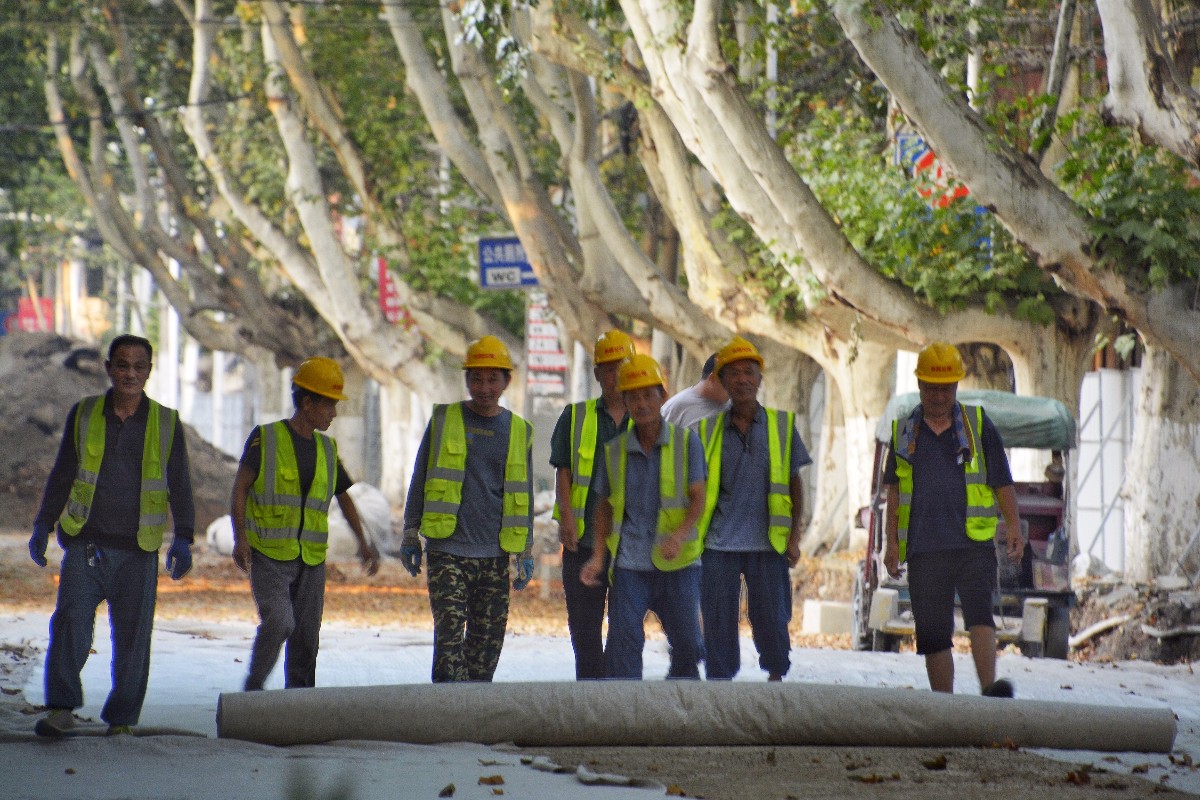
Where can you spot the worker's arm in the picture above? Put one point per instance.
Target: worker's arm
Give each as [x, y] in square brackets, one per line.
[891, 551]
[568, 527]
[237, 512]
[796, 490]
[367, 553]
[589, 575]
[1006, 497]
[672, 544]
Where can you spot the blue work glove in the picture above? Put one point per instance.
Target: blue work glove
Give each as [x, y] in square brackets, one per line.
[179, 558]
[38, 543]
[524, 572]
[410, 552]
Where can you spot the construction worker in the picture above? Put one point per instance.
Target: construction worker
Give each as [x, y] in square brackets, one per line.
[122, 462]
[649, 528]
[756, 500]
[702, 399]
[471, 500]
[946, 473]
[581, 431]
[289, 473]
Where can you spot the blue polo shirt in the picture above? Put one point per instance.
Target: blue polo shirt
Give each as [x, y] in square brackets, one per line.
[640, 525]
[938, 519]
[740, 520]
[561, 456]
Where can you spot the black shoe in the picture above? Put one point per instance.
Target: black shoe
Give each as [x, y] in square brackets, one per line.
[1000, 688]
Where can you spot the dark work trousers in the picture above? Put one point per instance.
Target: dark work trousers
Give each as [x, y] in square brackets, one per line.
[469, 601]
[128, 581]
[585, 615]
[768, 599]
[674, 597]
[290, 596]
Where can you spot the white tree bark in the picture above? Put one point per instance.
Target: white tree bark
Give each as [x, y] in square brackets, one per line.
[1036, 211]
[1162, 504]
[1146, 90]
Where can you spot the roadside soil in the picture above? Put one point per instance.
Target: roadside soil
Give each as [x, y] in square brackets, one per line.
[217, 591]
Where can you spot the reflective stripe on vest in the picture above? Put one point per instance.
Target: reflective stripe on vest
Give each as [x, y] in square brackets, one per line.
[672, 497]
[583, 458]
[276, 509]
[780, 430]
[981, 500]
[90, 427]
[448, 468]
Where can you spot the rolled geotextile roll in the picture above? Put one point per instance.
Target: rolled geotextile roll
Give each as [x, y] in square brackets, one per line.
[675, 713]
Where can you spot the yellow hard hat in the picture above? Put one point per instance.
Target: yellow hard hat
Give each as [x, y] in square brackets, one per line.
[612, 345]
[738, 349]
[488, 351]
[939, 362]
[637, 371]
[322, 376]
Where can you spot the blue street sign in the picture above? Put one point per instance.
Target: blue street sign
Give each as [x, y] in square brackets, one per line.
[503, 265]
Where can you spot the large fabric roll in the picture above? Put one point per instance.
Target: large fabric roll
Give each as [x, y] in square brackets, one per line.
[681, 713]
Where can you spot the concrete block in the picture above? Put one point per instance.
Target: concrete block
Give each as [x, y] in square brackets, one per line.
[885, 604]
[826, 616]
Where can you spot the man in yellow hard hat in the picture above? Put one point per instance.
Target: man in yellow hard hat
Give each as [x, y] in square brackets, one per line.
[581, 432]
[946, 474]
[649, 528]
[471, 500]
[756, 501]
[289, 473]
[121, 464]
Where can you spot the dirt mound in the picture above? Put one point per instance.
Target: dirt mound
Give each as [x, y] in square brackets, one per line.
[1139, 623]
[41, 376]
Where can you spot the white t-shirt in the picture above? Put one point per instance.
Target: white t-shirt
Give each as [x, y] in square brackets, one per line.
[688, 407]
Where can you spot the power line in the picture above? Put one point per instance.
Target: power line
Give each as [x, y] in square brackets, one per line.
[77, 120]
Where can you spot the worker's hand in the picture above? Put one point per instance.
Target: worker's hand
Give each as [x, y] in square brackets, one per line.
[524, 572]
[410, 552]
[589, 575]
[38, 543]
[241, 553]
[1015, 543]
[369, 556]
[792, 553]
[891, 559]
[568, 531]
[671, 546]
[179, 558]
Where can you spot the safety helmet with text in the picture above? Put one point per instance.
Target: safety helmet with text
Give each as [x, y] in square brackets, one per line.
[321, 376]
[639, 371]
[939, 362]
[487, 351]
[738, 349]
[612, 345]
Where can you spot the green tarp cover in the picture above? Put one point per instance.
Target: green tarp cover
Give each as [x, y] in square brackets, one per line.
[1040, 422]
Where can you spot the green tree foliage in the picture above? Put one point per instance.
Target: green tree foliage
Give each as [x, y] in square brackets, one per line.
[1144, 202]
[949, 256]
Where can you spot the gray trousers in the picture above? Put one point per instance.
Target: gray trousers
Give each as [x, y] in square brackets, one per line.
[128, 581]
[290, 596]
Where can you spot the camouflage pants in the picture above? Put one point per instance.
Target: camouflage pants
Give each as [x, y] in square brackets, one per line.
[469, 600]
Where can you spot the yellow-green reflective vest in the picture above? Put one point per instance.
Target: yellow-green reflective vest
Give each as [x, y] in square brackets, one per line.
[780, 428]
[275, 509]
[981, 500]
[585, 421]
[448, 467]
[90, 427]
[672, 497]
